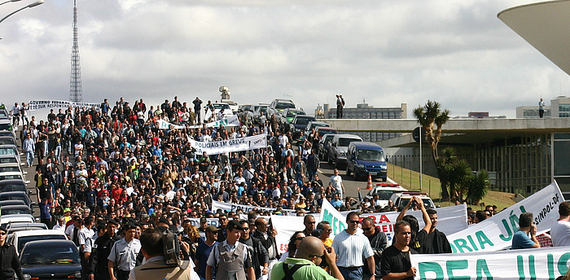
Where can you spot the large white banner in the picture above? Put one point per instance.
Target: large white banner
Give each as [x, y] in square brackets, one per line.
[495, 233]
[335, 218]
[47, 104]
[450, 219]
[543, 263]
[246, 208]
[231, 145]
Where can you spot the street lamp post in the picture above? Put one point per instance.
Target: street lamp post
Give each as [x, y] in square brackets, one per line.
[8, 1]
[39, 2]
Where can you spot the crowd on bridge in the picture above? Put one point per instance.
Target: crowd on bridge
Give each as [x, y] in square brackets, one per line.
[97, 169]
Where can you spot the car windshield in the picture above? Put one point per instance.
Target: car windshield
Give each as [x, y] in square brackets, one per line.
[295, 113]
[427, 202]
[22, 240]
[371, 155]
[284, 105]
[51, 255]
[12, 187]
[8, 151]
[7, 140]
[8, 160]
[9, 177]
[4, 211]
[303, 121]
[5, 127]
[383, 194]
[344, 142]
[10, 169]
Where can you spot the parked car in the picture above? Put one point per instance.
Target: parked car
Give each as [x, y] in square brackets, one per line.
[401, 199]
[17, 195]
[366, 158]
[6, 124]
[14, 227]
[15, 210]
[218, 106]
[324, 146]
[323, 130]
[19, 218]
[290, 113]
[299, 124]
[20, 238]
[12, 202]
[13, 185]
[12, 167]
[7, 140]
[384, 193]
[338, 148]
[50, 259]
[314, 124]
[8, 149]
[281, 104]
[13, 175]
[11, 158]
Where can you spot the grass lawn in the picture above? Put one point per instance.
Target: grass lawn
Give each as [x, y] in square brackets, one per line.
[411, 180]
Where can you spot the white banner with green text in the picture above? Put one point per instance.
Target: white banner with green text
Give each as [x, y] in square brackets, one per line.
[536, 264]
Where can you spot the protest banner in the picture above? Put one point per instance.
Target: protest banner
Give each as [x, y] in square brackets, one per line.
[451, 219]
[245, 208]
[211, 221]
[48, 104]
[495, 233]
[162, 124]
[542, 263]
[227, 121]
[231, 145]
[335, 218]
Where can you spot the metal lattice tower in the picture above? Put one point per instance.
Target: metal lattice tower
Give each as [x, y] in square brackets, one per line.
[75, 93]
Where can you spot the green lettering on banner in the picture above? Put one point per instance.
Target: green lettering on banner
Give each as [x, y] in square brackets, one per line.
[520, 267]
[531, 268]
[456, 265]
[550, 264]
[483, 239]
[563, 263]
[431, 267]
[482, 267]
[470, 238]
[460, 244]
[336, 224]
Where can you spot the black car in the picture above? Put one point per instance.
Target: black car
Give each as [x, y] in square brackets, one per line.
[15, 209]
[50, 259]
[13, 185]
[17, 195]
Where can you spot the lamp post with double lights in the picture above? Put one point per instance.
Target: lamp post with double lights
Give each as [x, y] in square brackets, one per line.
[37, 3]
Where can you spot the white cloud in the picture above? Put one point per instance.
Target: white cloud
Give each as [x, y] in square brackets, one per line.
[387, 52]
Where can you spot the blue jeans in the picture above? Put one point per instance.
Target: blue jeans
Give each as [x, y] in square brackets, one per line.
[351, 274]
[30, 158]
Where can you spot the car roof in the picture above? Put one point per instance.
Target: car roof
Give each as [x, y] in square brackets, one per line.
[25, 225]
[38, 232]
[12, 182]
[408, 194]
[351, 136]
[363, 145]
[16, 206]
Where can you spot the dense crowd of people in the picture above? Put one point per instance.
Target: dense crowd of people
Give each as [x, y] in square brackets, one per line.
[102, 169]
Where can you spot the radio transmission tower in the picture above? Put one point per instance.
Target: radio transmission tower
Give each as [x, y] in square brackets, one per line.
[75, 81]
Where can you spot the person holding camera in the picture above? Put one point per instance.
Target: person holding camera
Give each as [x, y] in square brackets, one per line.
[305, 265]
[155, 267]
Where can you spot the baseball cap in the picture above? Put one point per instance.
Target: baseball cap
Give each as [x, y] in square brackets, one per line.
[233, 224]
[211, 228]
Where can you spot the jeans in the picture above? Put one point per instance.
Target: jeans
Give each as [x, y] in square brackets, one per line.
[351, 274]
[30, 158]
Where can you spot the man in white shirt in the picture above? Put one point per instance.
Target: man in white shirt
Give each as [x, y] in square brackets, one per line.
[352, 247]
[60, 224]
[336, 183]
[560, 232]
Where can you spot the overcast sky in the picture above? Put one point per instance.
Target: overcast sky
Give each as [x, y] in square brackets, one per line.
[456, 52]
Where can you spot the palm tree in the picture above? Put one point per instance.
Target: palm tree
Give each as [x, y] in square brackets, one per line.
[432, 119]
[477, 186]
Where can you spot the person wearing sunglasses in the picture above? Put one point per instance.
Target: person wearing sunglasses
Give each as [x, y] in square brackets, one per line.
[352, 247]
[11, 264]
[259, 255]
[378, 242]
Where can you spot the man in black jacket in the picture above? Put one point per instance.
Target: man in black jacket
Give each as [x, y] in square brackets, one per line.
[10, 261]
[267, 238]
[101, 250]
[378, 242]
[258, 252]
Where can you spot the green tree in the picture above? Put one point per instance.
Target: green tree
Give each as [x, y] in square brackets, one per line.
[453, 173]
[432, 119]
[477, 186]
